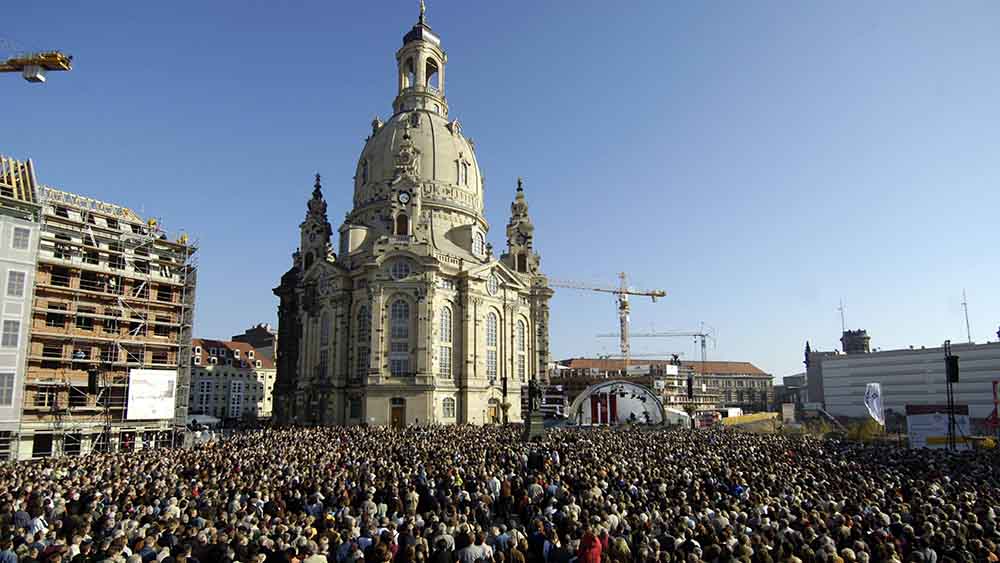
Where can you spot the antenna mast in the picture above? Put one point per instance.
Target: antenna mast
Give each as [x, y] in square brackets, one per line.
[965, 306]
[843, 323]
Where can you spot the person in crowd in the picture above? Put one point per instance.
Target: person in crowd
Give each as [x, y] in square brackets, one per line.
[463, 494]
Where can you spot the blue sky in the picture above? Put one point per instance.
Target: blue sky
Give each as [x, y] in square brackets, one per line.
[757, 160]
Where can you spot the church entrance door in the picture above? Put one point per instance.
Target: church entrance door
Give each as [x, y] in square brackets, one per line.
[397, 413]
[493, 412]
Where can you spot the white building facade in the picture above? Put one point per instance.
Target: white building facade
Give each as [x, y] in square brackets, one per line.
[19, 225]
[911, 377]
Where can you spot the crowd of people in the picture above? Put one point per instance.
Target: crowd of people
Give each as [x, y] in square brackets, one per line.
[464, 494]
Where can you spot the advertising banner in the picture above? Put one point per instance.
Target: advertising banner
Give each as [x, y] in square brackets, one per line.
[927, 426]
[151, 394]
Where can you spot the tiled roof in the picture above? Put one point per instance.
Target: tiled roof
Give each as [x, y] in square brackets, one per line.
[719, 368]
[229, 345]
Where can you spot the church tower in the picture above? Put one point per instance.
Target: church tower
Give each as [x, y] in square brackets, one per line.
[520, 256]
[315, 230]
[413, 320]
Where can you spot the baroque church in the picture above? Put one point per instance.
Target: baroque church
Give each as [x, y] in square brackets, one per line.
[412, 319]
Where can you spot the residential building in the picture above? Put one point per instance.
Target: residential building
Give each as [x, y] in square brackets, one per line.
[230, 380]
[413, 319]
[113, 301]
[262, 338]
[19, 224]
[911, 376]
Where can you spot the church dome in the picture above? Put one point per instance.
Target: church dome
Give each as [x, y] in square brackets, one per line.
[443, 164]
[420, 149]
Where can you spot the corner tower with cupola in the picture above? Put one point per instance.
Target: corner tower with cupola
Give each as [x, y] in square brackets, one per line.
[413, 320]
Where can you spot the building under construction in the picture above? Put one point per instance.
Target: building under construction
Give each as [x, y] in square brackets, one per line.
[113, 304]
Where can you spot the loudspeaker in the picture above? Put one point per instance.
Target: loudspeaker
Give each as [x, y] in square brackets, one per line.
[92, 381]
[690, 387]
[951, 368]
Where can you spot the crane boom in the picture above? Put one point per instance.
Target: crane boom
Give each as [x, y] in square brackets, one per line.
[34, 65]
[701, 335]
[622, 292]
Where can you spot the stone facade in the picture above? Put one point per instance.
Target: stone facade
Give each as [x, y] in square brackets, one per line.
[413, 319]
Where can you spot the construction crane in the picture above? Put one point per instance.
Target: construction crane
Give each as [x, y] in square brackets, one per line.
[699, 335]
[33, 66]
[622, 292]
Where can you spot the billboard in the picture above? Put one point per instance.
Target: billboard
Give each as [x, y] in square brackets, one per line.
[151, 394]
[927, 426]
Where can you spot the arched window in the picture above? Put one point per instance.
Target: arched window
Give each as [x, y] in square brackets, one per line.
[324, 329]
[402, 225]
[363, 344]
[521, 347]
[364, 325]
[444, 350]
[431, 74]
[479, 244]
[399, 338]
[309, 260]
[448, 407]
[491, 346]
[410, 73]
[446, 325]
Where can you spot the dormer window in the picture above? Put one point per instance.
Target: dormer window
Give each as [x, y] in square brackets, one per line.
[479, 244]
[213, 360]
[236, 354]
[258, 364]
[250, 354]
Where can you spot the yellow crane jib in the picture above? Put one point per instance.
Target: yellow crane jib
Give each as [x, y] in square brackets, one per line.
[34, 66]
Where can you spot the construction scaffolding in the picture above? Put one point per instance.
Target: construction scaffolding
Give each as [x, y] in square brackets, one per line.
[112, 294]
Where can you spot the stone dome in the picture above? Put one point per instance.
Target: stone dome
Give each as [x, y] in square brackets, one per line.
[443, 168]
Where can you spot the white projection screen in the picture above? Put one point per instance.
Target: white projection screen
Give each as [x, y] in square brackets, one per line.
[151, 394]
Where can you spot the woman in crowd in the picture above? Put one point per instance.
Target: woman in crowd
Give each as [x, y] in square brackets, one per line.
[480, 495]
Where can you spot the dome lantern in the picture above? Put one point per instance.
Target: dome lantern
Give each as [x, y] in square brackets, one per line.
[420, 64]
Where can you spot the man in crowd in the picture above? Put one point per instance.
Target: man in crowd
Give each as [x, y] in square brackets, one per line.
[471, 495]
